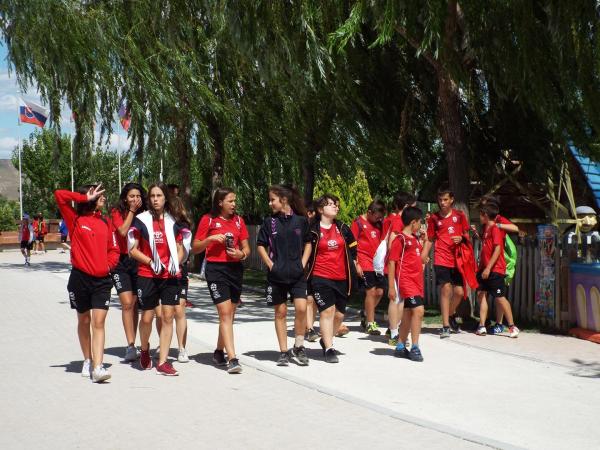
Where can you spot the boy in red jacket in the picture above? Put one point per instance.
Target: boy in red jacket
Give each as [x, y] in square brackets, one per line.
[492, 270]
[405, 276]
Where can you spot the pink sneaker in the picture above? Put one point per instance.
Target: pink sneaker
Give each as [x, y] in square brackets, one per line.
[166, 369]
[145, 360]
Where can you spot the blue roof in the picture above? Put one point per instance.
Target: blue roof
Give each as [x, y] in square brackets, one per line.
[591, 170]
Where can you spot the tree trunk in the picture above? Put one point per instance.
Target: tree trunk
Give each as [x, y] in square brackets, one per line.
[449, 124]
[216, 136]
[184, 152]
[308, 172]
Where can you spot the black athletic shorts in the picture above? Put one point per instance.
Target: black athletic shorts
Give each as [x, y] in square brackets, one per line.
[40, 238]
[124, 276]
[87, 292]
[151, 291]
[224, 281]
[374, 280]
[277, 293]
[184, 281]
[413, 302]
[494, 285]
[445, 275]
[26, 245]
[329, 293]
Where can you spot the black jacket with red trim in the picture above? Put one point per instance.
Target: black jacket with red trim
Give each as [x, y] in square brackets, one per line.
[94, 248]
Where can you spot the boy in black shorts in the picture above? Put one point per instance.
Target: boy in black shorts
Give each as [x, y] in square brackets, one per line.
[405, 278]
[492, 270]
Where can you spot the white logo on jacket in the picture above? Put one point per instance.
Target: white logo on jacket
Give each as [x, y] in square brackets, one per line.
[332, 244]
[373, 234]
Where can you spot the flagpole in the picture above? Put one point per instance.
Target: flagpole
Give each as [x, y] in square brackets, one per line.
[72, 175]
[119, 152]
[20, 168]
[20, 180]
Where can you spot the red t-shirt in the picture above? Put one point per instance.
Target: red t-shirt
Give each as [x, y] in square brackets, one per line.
[493, 236]
[391, 223]
[442, 229]
[25, 233]
[368, 237]
[208, 226]
[160, 239]
[330, 262]
[406, 252]
[117, 221]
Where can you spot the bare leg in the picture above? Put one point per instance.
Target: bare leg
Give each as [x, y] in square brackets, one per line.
[84, 333]
[281, 325]
[226, 312]
[146, 329]
[326, 325]
[129, 315]
[504, 305]
[98, 319]
[483, 307]
[415, 324]
[300, 317]
[181, 323]
[166, 331]
[445, 295]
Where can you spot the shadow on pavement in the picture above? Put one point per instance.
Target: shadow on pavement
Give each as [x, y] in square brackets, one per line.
[40, 266]
[389, 351]
[206, 360]
[75, 366]
[586, 369]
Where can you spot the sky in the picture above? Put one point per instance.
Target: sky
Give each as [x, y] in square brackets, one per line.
[10, 131]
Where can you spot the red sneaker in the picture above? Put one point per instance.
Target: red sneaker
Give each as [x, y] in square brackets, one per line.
[145, 360]
[166, 369]
[189, 304]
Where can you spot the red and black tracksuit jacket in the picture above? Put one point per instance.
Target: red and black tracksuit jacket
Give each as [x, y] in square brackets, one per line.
[94, 248]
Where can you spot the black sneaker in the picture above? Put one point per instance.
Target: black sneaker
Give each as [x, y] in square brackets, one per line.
[312, 335]
[363, 321]
[219, 358]
[388, 332]
[415, 354]
[444, 332]
[300, 355]
[401, 353]
[284, 359]
[330, 356]
[322, 344]
[454, 325]
[234, 366]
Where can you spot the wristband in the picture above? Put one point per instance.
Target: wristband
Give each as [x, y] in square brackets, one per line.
[131, 211]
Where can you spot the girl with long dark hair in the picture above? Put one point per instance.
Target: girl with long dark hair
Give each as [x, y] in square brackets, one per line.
[224, 236]
[159, 242]
[94, 253]
[332, 270]
[286, 236]
[132, 201]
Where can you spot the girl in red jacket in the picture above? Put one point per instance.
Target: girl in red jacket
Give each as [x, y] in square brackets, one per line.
[94, 253]
[159, 243]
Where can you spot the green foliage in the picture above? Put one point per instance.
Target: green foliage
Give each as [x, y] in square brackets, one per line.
[353, 193]
[9, 214]
[46, 166]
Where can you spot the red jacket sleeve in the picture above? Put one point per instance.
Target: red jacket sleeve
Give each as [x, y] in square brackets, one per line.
[202, 230]
[431, 228]
[63, 199]
[112, 248]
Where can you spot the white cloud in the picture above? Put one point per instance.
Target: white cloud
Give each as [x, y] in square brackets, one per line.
[7, 145]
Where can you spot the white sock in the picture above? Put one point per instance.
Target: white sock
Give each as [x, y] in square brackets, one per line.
[394, 333]
[299, 341]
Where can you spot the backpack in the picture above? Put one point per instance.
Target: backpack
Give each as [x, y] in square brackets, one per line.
[510, 255]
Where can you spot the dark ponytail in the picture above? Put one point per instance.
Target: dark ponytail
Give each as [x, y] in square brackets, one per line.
[292, 195]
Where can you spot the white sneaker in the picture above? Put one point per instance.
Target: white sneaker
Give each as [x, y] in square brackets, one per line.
[513, 331]
[100, 374]
[131, 354]
[481, 331]
[183, 356]
[86, 371]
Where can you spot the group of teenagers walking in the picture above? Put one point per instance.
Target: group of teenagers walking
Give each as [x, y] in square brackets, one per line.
[143, 247]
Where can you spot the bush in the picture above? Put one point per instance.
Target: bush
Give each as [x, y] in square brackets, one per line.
[9, 214]
[353, 193]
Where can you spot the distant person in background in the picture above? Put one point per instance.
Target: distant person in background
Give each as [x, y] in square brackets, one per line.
[26, 235]
[64, 234]
[41, 230]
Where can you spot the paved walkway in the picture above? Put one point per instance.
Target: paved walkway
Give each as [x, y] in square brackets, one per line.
[534, 392]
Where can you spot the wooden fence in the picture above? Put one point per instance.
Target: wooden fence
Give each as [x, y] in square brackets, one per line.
[522, 291]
